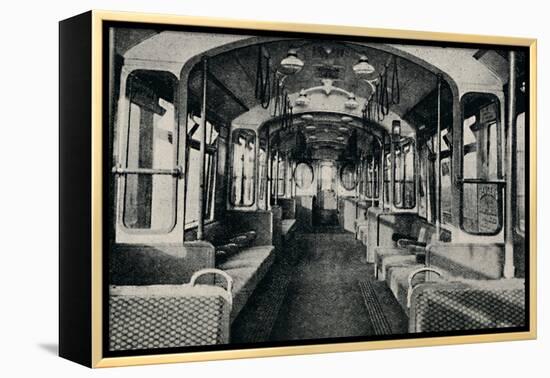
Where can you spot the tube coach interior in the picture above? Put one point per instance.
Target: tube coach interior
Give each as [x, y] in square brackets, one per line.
[326, 188]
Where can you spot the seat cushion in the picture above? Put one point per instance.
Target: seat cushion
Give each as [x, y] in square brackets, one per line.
[380, 253]
[395, 261]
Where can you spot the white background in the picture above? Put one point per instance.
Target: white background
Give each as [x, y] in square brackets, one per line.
[29, 189]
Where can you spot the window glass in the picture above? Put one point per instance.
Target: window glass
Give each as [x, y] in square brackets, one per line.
[520, 171]
[347, 176]
[193, 166]
[423, 188]
[371, 189]
[327, 176]
[387, 177]
[282, 175]
[404, 184]
[303, 176]
[149, 198]
[262, 166]
[482, 188]
[243, 167]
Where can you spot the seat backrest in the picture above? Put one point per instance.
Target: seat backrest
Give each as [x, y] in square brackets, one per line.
[468, 260]
[162, 264]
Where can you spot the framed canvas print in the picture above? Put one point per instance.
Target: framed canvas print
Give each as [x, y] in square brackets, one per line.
[234, 189]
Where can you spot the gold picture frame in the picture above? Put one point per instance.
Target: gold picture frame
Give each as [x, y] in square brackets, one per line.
[92, 265]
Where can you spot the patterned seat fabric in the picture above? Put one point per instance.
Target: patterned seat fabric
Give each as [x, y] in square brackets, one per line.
[468, 305]
[167, 316]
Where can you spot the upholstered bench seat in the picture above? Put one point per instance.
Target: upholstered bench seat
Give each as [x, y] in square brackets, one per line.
[361, 226]
[288, 227]
[467, 304]
[397, 281]
[384, 256]
[247, 268]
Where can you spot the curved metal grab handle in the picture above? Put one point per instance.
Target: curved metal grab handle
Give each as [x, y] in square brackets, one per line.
[412, 275]
[202, 272]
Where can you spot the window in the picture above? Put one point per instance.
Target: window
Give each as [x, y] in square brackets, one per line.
[243, 162]
[279, 175]
[404, 180]
[445, 179]
[262, 175]
[520, 172]
[372, 178]
[193, 175]
[482, 186]
[387, 176]
[347, 176]
[303, 176]
[327, 176]
[424, 191]
[149, 183]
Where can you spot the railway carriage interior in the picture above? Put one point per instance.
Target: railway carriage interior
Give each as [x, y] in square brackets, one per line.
[312, 189]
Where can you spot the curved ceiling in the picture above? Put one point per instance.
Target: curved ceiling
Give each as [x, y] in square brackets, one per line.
[236, 72]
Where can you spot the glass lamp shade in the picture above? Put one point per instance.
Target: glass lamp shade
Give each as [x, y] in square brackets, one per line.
[346, 119]
[302, 99]
[363, 67]
[396, 128]
[351, 103]
[291, 64]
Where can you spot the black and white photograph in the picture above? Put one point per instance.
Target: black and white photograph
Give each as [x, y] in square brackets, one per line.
[283, 189]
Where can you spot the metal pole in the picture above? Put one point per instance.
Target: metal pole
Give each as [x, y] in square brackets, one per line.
[372, 180]
[202, 138]
[383, 173]
[392, 173]
[438, 164]
[269, 172]
[277, 177]
[509, 268]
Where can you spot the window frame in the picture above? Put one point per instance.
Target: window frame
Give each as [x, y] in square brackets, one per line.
[354, 172]
[122, 175]
[263, 178]
[372, 179]
[412, 149]
[309, 185]
[232, 165]
[500, 181]
[518, 206]
[211, 150]
[424, 182]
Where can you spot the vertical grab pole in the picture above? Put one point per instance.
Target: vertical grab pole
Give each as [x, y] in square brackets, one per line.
[438, 163]
[202, 138]
[372, 180]
[277, 177]
[509, 268]
[269, 171]
[392, 173]
[382, 192]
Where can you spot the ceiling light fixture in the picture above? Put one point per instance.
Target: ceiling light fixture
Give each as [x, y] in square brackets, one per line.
[346, 119]
[302, 99]
[291, 64]
[351, 103]
[363, 67]
[396, 128]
